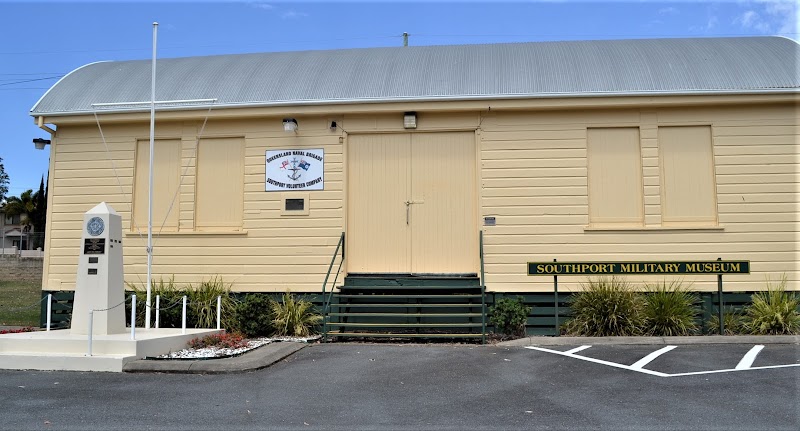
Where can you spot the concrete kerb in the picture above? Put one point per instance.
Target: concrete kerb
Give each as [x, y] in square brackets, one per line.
[705, 339]
[256, 359]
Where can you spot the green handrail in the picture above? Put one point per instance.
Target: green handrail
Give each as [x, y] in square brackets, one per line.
[326, 302]
[483, 291]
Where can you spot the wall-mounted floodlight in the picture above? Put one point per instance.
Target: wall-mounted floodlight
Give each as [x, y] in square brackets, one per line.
[290, 125]
[410, 120]
[39, 143]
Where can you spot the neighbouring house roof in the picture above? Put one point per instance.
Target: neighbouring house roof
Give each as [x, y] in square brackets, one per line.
[424, 73]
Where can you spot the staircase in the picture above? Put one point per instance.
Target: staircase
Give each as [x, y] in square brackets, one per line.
[407, 307]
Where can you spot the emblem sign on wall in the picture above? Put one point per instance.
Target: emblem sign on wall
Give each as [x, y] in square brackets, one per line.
[295, 170]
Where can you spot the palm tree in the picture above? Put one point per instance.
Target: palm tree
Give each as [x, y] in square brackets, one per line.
[23, 206]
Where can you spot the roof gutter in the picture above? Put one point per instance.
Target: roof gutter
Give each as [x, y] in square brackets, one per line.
[332, 102]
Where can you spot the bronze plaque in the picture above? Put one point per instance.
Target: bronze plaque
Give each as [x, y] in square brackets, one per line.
[94, 246]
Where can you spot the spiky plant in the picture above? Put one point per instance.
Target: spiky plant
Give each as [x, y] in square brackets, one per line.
[670, 310]
[203, 304]
[606, 306]
[732, 320]
[293, 316]
[773, 312]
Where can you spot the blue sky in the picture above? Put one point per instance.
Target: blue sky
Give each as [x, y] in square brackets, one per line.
[42, 41]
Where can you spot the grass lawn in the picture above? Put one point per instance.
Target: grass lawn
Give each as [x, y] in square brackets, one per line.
[15, 295]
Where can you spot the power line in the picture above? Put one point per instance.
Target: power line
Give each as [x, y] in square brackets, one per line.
[29, 80]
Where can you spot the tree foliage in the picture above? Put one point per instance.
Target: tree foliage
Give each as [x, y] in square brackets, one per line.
[3, 182]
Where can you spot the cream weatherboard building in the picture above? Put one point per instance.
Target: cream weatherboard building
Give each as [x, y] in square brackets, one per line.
[629, 150]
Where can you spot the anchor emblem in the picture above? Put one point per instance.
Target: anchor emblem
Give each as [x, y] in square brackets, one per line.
[297, 165]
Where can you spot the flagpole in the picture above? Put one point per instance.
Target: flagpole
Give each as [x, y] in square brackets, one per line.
[150, 191]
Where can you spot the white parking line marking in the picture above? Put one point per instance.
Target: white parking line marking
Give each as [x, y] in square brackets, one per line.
[599, 361]
[638, 365]
[749, 358]
[651, 372]
[577, 349]
[769, 367]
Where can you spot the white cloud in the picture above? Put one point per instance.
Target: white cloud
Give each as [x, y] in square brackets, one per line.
[293, 14]
[668, 11]
[770, 17]
[712, 22]
[259, 5]
[747, 19]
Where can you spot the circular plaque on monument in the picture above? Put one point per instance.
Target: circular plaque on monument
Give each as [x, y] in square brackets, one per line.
[95, 226]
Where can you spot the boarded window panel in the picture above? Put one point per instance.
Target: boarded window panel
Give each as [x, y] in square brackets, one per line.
[687, 175]
[615, 176]
[220, 184]
[166, 177]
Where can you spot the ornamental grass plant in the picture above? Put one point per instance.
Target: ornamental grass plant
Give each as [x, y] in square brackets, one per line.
[773, 312]
[201, 309]
[203, 304]
[670, 310]
[732, 321]
[293, 316]
[606, 307]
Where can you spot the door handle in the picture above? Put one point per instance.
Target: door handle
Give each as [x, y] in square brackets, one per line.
[408, 207]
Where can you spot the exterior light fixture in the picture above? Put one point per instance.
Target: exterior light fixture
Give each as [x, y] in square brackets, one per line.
[410, 120]
[290, 125]
[333, 126]
[39, 143]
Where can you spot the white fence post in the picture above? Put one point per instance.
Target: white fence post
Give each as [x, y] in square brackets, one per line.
[183, 319]
[91, 321]
[219, 308]
[133, 317]
[158, 308]
[49, 308]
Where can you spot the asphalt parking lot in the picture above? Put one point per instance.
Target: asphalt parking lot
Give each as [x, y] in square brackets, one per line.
[386, 386]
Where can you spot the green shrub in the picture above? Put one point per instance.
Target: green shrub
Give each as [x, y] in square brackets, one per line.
[605, 307]
[732, 320]
[509, 316]
[293, 317]
[773, 312]
[670, 310]
[253, 315]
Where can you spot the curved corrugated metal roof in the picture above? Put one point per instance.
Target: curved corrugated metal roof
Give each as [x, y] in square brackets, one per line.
[462, 72]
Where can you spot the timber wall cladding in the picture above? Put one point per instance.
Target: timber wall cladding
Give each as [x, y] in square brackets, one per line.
[534, 181]
[271, 252]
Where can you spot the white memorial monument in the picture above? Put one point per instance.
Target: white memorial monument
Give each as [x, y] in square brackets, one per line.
[98, 288]
[99, 284]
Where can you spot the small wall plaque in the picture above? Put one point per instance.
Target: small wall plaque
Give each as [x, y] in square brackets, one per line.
[489, 221]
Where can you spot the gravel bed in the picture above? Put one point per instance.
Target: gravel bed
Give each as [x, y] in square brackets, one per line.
[217, 352]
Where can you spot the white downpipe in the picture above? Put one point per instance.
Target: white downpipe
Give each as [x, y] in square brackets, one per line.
[49, 308]
[183, 318]
[219, 308]
[133, 317]
[150, 181]
[158, 309]
[91, 321]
